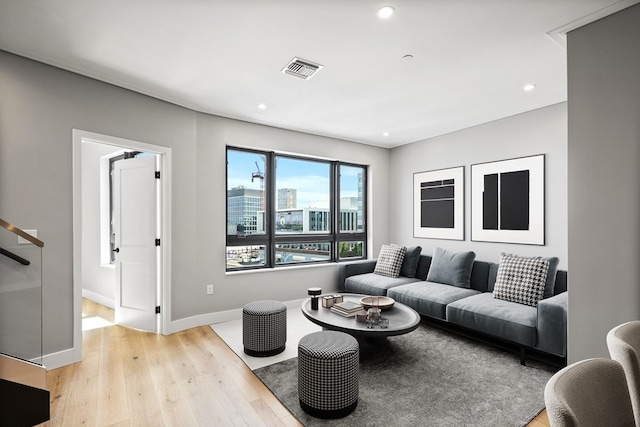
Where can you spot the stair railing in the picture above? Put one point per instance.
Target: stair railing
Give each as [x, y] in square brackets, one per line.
[23, 378]
[20, 293]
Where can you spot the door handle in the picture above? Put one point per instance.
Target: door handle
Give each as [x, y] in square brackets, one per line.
[116, 250]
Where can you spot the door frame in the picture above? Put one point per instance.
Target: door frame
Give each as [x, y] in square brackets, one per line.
[80, 136]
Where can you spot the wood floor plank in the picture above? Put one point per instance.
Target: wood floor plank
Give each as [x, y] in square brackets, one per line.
[254, 390]
[175, 406]
[142, 399]
[199, 388]
[59, 382]
[229, 358]
[114, 407]
[225, 388]
[82, 402]
[194, 339]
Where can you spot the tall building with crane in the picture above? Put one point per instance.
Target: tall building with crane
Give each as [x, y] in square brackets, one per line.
[258, 174]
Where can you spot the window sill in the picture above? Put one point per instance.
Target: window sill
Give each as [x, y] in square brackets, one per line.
[282, 268]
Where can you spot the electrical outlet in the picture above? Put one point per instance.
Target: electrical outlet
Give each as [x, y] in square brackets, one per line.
[209, 289]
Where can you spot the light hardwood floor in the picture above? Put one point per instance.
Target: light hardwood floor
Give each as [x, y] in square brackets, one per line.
[190, 378]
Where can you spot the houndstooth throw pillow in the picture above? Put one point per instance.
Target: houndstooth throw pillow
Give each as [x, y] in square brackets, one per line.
[521, 279]
[390, 260]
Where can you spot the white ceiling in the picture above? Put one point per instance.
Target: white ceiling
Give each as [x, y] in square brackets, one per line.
[471, 58]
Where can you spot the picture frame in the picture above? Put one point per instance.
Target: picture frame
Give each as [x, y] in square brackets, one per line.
[438, 204]
[508, 201]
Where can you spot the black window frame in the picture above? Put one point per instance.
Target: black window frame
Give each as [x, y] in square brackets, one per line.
[270, 239]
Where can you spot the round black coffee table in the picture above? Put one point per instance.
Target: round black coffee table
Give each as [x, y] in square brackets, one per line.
[402, 319]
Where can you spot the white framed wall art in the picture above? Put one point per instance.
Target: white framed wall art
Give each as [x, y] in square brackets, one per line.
[507, 201]
[438, 204]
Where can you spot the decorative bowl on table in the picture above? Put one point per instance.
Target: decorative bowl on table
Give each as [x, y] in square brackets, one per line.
[383, 303]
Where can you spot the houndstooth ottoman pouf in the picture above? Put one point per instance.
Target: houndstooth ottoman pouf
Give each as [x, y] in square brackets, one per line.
[264, 328]
[328, 363]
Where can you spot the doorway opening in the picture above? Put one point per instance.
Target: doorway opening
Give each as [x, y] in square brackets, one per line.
[105, 250]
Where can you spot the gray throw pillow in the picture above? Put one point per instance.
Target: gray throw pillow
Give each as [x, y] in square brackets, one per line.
[550, 285]
[390, 260]
[521, 279]
[410, 263]
[451, 268]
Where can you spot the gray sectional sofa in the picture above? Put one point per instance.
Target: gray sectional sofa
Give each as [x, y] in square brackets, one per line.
[543, 328]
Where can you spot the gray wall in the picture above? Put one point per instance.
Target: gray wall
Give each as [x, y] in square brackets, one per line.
[604, 203]
[232, 290]
[39, 107]
[542, 131]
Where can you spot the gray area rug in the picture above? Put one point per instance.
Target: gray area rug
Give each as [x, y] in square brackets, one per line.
[429, 377]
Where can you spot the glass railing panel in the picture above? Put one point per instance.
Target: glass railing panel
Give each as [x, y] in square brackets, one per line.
[20, 296]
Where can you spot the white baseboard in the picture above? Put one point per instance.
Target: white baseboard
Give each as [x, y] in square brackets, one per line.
[219, 317]
[100, 299]
[59, 359]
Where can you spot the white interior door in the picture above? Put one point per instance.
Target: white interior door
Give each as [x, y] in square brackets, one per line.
[135, 227]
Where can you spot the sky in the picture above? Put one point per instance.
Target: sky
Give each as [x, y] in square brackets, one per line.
[309, 178]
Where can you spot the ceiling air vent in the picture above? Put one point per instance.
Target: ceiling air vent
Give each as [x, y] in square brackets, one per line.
[301, 68]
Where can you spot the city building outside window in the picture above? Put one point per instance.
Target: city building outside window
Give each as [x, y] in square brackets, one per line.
[284, 210]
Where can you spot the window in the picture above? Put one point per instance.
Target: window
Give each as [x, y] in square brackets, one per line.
[284, 210]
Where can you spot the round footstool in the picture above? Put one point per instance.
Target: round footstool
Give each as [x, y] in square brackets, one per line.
[264, 328]
[328, 363]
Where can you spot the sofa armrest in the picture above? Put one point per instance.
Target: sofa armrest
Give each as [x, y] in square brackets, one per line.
[349, 269]
[552, 324]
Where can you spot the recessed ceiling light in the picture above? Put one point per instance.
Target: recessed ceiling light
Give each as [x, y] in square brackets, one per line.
[529, 87]
[385, 12]
[407, 57]
[262, 106]
[385, 133]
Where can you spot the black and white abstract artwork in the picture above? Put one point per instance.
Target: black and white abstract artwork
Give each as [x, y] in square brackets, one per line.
[507, 201]
[438, 204]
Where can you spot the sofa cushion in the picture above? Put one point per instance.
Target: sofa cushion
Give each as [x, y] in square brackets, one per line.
[429, 298]
[451, 268]
[390, 260]
[560, 285]
[423, 267]
[521, 279]
[480, 275]
[373, 284]
[410, 263]
[549, 287]
[484, 313]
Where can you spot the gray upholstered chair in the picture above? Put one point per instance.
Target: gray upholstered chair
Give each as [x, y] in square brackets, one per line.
[624, 346]
[589, 393]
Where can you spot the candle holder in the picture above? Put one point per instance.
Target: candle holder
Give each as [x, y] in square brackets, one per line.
[314, 292]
